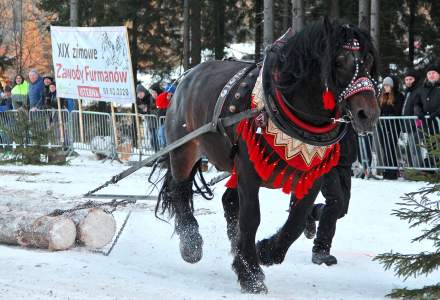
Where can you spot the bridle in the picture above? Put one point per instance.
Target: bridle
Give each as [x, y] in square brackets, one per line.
[279, 109]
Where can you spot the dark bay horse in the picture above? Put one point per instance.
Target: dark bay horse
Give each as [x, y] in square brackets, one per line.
[297, 72]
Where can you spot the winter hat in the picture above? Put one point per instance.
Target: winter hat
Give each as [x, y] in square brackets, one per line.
[140, 88]
[412, 73]
[388, 81]
[433, 67]
[156, 87]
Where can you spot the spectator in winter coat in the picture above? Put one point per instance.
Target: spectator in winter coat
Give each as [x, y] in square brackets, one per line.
[390, 103]
[20, 92]
[51, 97]
[143, 99]
[47, 80]
[6, 99]
[162, 103]
[410, 81]
[36, 91]
[156, 90]
[427, 96]
[336, 189]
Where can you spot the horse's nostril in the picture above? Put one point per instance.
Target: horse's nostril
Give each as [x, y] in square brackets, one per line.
[362, 115]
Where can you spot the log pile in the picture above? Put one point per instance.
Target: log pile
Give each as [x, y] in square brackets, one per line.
[93, 228]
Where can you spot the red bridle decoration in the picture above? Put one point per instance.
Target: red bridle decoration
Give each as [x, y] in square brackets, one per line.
[328, 100]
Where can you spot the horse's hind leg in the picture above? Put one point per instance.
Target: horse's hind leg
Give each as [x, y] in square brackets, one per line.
[177, 196]
[274, 249]
[231, 207]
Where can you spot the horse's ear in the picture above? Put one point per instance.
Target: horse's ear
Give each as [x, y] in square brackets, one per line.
[363, 24]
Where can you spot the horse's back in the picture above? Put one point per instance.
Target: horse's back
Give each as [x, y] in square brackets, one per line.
[192, 106]
[197, 93]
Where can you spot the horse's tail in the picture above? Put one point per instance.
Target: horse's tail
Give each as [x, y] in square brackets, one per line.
[172, 193]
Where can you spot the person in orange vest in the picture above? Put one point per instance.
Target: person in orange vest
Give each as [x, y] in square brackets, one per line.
[162, 103]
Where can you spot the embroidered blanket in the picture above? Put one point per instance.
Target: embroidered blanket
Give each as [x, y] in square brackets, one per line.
[279, 159]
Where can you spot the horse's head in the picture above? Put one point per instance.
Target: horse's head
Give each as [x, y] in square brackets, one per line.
[334, 59]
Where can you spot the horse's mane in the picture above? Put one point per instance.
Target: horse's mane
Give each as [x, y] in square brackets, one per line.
[311, 53]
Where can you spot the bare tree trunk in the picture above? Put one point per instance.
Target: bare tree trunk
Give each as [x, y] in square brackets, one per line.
[36, 230]
[364, 12]
[297, 15]
[258, 36]
[412, 12]
[375, 24]
[219, 12]
[134, 50]
[73, 13]
[17, 13]
[186, 25]
[268, 23]
[334, 9]
[196, 35]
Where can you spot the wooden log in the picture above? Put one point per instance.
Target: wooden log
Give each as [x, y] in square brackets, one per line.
[36, 230]
[95, 227]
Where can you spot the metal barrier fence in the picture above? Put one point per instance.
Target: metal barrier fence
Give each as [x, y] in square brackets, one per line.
[94, 131]
[397, 143]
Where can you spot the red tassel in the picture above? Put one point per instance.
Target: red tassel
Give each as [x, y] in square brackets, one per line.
[279, 179]
[287, 188]
[253, 151]
[239, 128]
[299, 192]
[268, 168]
[328, 100]
[245, 131]
[232, 182]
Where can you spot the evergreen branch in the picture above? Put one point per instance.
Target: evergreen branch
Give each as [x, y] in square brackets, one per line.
[431, 292]
[431, 234]
[406, 265]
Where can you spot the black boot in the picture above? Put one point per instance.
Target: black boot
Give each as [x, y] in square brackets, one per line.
[323, 256]
[310, 229]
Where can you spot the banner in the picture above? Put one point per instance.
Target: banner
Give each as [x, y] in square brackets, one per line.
[93, 63]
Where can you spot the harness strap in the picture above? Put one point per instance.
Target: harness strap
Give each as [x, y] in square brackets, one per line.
[210, 127]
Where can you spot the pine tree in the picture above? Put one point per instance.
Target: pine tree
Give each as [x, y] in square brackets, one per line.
[419, 208]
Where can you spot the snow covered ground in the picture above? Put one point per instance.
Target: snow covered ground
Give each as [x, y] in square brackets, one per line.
[146, 264]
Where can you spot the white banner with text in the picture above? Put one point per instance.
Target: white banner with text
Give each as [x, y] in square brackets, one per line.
[93, 63]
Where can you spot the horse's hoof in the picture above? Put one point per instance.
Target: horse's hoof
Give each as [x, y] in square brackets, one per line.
[266, 254]
[191, 247]
[251, 277]
[255, 287]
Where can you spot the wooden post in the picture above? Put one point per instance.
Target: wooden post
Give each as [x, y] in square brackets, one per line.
[138, 131]
[114, 124]
[60, 121]
[81, 127]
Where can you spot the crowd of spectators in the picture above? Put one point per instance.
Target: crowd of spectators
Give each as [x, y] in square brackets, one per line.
[32, 93]
[420, 97]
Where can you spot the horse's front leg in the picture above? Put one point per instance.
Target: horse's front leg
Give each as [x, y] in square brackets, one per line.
[245, 264]
[273, 250]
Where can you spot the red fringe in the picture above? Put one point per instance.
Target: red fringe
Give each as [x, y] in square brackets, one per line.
[232, 182]
[279, 179]
[304, 180]
[287, 188]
